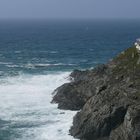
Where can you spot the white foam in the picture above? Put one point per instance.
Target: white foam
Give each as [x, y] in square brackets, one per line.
[56, 64]
[25, 102]
[33, 66]
[17, 51]
[12, 66]
[53, 51]
[6, 63]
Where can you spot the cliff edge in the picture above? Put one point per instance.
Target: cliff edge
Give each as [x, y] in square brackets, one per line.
[108, 98]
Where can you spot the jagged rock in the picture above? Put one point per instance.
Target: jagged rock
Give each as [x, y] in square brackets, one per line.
[68, 97]
[109, 99]
[75, 94]
[130, 128]
[100, 115]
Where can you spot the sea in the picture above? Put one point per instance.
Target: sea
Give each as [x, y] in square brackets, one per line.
[37, 56]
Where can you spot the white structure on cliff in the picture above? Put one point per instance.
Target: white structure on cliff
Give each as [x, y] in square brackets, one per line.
[137, 44]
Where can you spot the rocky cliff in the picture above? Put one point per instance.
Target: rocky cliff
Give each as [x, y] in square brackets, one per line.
[108, 98]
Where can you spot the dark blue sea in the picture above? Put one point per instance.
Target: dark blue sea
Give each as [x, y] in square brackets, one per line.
[37, 56]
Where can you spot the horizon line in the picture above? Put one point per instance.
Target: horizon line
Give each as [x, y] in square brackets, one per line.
[70, 18]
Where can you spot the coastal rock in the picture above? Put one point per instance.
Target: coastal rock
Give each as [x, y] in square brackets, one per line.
[109, 99]
[69, 97]
[100, 115]
[130, 128]
[84, 85]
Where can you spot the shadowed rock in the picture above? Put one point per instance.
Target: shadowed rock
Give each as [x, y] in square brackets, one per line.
[109, 99]
[84, 85]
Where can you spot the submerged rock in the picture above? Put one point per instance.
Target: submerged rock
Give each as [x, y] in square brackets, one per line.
[109, 99]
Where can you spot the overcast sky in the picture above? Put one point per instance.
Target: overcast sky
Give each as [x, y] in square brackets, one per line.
[69, 8]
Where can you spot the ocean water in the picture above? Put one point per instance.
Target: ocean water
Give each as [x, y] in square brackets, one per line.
[37, 56]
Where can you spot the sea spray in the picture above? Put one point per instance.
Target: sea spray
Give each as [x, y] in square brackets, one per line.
[26, 109]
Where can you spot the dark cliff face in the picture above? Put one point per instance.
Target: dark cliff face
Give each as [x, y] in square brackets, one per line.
[109, 99]
[83, 85]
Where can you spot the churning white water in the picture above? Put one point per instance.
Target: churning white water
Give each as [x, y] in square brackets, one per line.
[26, 112]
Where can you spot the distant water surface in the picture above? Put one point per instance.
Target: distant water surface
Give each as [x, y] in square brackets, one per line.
[37, 56]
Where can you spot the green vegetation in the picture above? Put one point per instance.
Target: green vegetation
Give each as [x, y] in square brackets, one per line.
[127, 62]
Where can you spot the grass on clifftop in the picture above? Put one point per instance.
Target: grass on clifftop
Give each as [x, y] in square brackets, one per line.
[127, 62]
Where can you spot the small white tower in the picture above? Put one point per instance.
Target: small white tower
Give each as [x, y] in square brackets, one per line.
[137, 44]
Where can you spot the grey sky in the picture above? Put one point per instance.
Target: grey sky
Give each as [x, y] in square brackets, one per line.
[69, 8]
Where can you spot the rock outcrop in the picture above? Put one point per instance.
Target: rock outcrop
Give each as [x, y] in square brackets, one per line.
[108, 98]
[83, 85]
